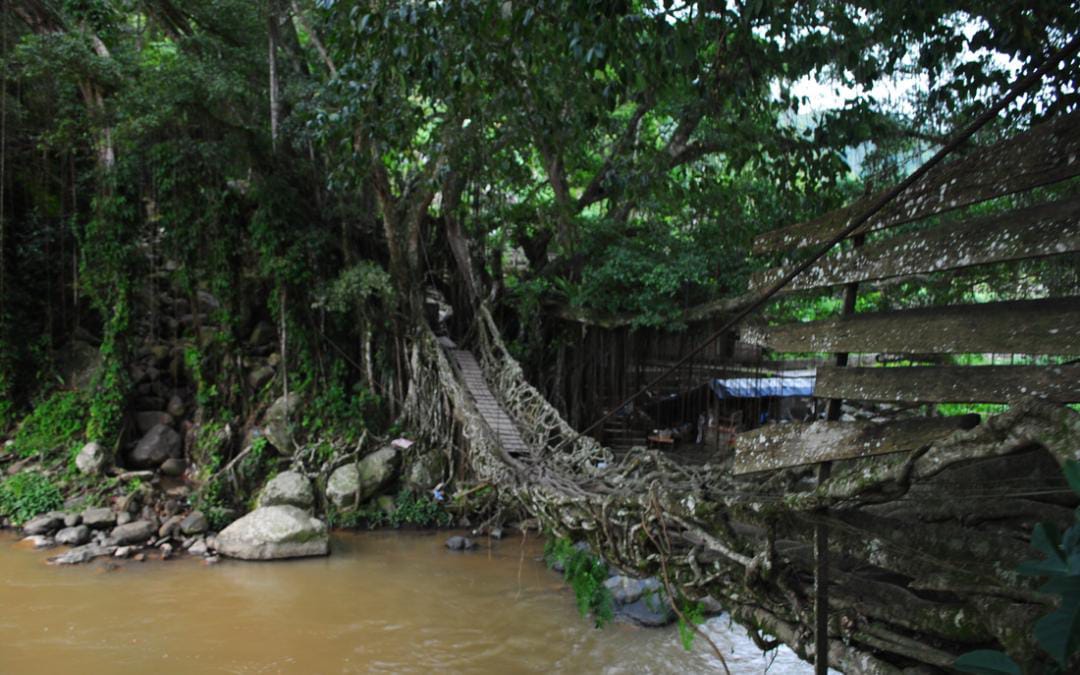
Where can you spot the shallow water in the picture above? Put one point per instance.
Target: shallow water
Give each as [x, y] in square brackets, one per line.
[381, 603]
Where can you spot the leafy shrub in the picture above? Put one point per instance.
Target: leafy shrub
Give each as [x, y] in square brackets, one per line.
[56, 422]
[419, 510]
[409, 509]
[210, 499]
[1058, 633]
[27, 494]
[333, 411]
[586, 574]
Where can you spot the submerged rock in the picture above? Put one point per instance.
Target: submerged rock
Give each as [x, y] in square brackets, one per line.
[360, 482]
[158, 445]
[460, 544]
[82, 554]
[273, 532]
[288, 488]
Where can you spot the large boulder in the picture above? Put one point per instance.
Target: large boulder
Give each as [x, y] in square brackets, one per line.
[92, 459]
[360, 482]
[288, 488]
[275, 421]
[158, 445]
[274, 532]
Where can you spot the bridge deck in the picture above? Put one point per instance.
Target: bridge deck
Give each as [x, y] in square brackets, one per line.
[497, 419]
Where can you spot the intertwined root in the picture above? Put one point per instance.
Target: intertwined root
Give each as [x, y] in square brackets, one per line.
[923, 545]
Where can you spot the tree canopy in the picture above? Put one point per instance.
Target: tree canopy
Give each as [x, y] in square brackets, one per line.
[321, 163]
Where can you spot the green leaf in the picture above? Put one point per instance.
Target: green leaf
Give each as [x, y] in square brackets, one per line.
[1046, 538]
[1072, 474]
[1059, 632]
[986, 662]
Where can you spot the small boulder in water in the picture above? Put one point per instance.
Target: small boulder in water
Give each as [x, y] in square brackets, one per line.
[82, 554]
[642, 601]
[458, 543]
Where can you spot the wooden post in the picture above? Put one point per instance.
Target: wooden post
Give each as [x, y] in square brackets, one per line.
[821, 586]
[821, 531]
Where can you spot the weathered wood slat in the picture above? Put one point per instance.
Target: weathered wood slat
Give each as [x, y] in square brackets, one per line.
[1019, 327]
[951, 384]
[1046, 154]
[1044, 230]
[786, 445]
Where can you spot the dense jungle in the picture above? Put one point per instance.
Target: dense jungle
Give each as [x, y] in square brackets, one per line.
[249, 249]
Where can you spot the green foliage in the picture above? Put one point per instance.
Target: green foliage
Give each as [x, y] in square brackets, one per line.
[586, 575]
[1058, 633]
[206, 392]
[211, 500]
[418, 510]
[109, 391]
[27, 494]
[357, 285]
[55, 423]
[692, 614]
[343, 416]
[408, 510]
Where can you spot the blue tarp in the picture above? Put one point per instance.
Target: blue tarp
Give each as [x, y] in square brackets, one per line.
[794, 383]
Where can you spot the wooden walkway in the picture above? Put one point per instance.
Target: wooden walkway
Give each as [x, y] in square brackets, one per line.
[497, 419]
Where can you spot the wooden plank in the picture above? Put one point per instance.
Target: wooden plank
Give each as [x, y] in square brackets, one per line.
[1046, 154]
[951, 384]
[779, 446]
[1038, 231]
[1019, 327]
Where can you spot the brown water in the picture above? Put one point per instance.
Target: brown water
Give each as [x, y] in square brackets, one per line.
[381, 603]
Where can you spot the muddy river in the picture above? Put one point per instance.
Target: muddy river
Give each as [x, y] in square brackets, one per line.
[381, 603]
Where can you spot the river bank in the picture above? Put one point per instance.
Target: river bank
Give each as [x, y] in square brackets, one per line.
[382, 602]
